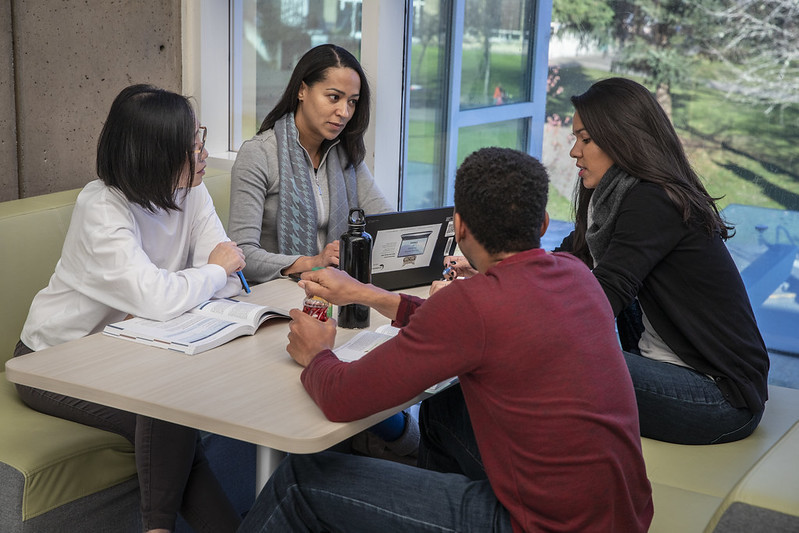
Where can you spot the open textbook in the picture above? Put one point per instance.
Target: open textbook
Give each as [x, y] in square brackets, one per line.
[210, 324]
[366, 340]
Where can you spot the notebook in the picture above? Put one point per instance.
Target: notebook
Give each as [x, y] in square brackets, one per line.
[408, 247]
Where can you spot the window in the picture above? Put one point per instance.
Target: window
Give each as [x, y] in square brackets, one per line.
[449, 76]
[421, 128]
[269, 37]
[473, 73]
[734, 107]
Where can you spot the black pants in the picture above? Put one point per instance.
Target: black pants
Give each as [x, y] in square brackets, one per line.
[174, 475]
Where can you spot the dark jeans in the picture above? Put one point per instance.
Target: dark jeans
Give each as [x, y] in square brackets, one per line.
[677, 404]
[336, 492]
[174, 475]
[447, 442]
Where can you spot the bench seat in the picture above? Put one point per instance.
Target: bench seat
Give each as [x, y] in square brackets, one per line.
[695, 485]
[52, 471]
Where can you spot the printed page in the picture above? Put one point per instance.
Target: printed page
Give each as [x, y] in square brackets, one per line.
[366, 341]
[183, 330]
[360, 345]
[232, 310]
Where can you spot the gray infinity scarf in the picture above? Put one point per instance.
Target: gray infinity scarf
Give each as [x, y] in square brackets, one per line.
[297, 216]
[603, 209]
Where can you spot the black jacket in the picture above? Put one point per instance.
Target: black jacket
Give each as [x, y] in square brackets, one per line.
[691, 291]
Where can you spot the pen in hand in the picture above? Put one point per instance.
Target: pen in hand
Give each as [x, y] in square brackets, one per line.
[449, 272]
[243, 282]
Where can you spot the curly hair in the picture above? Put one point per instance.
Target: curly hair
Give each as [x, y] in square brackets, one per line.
[501, 195]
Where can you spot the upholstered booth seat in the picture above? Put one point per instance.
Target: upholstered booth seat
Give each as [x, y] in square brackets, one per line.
[696, 486]
[57, 475]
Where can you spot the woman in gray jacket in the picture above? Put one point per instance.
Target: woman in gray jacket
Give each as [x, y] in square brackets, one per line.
[293, 183]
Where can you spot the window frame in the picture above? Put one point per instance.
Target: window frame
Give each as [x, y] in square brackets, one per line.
[208, 37]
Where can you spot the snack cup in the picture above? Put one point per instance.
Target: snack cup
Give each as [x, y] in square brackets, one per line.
[316, 307]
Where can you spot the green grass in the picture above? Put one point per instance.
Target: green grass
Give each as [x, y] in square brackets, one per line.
[559, 207]
[743, 155]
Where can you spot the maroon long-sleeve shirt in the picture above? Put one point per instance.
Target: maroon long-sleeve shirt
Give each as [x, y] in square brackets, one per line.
[548, 392]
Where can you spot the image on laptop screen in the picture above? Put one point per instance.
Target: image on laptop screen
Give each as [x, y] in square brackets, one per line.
[408, 247]
[413, 243]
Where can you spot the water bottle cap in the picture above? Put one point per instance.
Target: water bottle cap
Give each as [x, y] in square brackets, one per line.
[357, 218]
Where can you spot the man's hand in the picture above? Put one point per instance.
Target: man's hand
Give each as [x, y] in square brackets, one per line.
[332, 284]
[309, 336]
[437, 286]
[337, 287]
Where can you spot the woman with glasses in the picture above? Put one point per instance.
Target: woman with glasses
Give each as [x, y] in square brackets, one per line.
[293, 183]
[144, 240]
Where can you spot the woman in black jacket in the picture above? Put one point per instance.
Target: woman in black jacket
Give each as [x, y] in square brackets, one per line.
[654, 239]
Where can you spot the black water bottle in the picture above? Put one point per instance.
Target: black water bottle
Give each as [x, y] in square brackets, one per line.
[355, 258]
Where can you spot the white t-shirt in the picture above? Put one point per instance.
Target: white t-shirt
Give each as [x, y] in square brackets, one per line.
[120, 259]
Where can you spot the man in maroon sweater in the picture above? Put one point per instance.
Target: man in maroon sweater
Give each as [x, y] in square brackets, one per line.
[532, 340]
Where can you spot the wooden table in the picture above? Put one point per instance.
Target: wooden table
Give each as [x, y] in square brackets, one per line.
[248, 389]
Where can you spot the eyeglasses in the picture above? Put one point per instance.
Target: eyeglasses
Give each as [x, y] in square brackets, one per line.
[203, 132]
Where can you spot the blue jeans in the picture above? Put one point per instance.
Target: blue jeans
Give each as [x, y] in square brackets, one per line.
[331, 491]
[447, 442]
[677, 404]
[335, 492]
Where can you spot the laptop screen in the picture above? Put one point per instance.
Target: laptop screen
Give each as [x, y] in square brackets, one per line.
[408, 247]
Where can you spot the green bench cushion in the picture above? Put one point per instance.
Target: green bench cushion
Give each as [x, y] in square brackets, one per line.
[80, 462]
[690, 483]
[716, 469]
[58, 461]
[32, 232]
[772, 483]
[217, 180]
[678, 510]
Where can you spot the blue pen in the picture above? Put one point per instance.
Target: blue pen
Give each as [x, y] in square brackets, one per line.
[243, 282]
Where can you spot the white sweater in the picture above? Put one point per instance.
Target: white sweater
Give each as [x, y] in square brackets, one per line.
[120, 259]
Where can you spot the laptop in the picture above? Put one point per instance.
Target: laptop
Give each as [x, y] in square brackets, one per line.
[408, 247]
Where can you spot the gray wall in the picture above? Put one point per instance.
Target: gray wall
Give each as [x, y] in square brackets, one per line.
[62, 64]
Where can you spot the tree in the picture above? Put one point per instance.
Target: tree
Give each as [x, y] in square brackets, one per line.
[757, 43]
[482, 20]
[426, 28]
[655, 38]
[589, 20]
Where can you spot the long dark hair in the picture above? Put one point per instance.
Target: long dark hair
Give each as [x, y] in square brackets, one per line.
[625, 120]
[145, 143]
[311, 69]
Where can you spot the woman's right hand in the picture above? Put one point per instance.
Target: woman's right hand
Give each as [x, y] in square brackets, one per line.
[329, 256]
[460, 265]
[228, 255]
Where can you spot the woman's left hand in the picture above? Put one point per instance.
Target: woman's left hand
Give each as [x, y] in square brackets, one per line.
[328, 256]
[438, 285]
